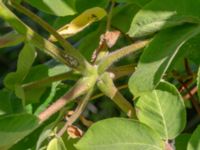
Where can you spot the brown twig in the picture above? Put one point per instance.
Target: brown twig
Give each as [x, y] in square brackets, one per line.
[191, 97]
[193, 91]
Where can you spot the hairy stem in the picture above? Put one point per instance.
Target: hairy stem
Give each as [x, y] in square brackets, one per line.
[121, 71]
[80, 88]
[101, 94]
[120, 53]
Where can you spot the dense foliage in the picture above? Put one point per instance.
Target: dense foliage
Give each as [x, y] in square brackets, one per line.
[99, 74]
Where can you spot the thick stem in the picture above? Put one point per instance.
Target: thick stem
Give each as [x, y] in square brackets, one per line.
[101, 94]
[107, 86]
[121, 71]
[80, 88]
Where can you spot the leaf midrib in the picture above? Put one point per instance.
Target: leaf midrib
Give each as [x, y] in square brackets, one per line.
[161, 114]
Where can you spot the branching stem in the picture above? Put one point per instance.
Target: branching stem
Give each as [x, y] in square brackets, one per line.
[120, 53]
[107, 86]
[75, 59]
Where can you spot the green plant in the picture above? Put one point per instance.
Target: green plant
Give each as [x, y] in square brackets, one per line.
[150, 44]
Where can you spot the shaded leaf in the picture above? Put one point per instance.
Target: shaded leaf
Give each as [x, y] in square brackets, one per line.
[119, 134]
[82, 5]
[182, 141]
[24, 63]
[9, 103]
[11, 39]
[55, 7]
[193, 49]
[87, 47]
[161, 54]
[162, 109]
[123, 15]
[194, 142]
[15, 127]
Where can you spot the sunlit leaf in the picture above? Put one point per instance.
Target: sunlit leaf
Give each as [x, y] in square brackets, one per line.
[82, 21]
[120, 134]
[157, 15]
[163, 109]
[161, 54]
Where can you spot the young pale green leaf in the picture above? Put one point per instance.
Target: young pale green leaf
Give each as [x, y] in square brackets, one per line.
[11, 39]
[157, 15]
[161, 54]
[56, 144]
[25, 61]
[81, 22]
[194, 142]
[54, 7]
[120, 134]
[15, 127]
[181, 141]
[162, 109]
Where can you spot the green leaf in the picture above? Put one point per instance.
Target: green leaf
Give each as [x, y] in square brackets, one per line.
[82, 5]
[140, 3]
[124, 13]
[119, 134]
[86, 47]
[194, 142]
[161, 54]
[158, 15]
[163, 109]
[15, 127]
[182, 141]
[56, 144]
[32, 95]
[54, 7]
[25, 61]
[80, 22]
[193, 49]
[11, 39]
[9, 103]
